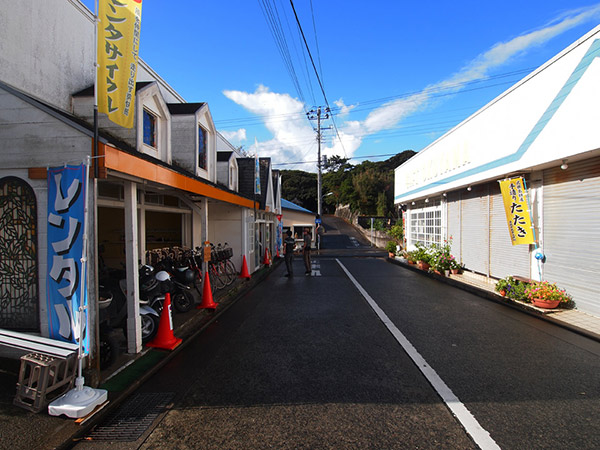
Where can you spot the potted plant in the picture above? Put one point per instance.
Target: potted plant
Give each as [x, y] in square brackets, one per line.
[391, 248]
[544, 294]
[455, 266]
[501, 286]
[422, 256]
[512, 289]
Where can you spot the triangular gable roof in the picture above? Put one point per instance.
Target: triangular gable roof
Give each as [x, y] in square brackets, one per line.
[286, 204]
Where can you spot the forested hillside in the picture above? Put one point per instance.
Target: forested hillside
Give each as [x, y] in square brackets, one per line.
[367, 187]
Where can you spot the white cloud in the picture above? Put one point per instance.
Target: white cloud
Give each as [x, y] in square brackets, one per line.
[294, 138]
[344, 109]
[235, 137]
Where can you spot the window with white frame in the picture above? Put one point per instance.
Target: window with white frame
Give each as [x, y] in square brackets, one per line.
[202, 148]
[150, 138]
[426, 224]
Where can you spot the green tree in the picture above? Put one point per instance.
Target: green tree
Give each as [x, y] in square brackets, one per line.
[300, 187]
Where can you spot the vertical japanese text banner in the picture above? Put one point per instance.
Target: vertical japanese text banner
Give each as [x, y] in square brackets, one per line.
[256, 175]
[516, 206]
[66, 282]
[119, 26]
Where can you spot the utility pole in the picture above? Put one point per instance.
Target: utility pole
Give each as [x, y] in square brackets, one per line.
[318, 115]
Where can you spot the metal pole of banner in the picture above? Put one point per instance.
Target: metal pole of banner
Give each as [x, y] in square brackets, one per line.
[95, 150]
[82, 400]
[539, 254]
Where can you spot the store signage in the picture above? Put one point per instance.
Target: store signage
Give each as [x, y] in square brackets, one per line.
[119, 25]
[516, 206]
[66, 281]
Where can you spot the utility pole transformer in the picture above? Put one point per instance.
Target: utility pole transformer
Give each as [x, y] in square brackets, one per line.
[318, 115]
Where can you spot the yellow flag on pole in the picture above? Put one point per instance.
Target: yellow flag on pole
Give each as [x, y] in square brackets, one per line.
[516, 206]
[119, 25]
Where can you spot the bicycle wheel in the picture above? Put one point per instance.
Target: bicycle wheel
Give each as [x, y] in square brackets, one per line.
[230, 272]
[216, 280]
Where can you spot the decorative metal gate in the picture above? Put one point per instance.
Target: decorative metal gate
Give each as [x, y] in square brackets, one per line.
[19, 300]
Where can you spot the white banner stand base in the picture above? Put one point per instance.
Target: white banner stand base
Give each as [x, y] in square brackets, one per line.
[78, 402]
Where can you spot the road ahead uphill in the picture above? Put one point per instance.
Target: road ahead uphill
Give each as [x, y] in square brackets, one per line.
[366, 354]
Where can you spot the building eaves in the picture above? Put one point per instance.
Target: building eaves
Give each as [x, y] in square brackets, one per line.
[184, 108]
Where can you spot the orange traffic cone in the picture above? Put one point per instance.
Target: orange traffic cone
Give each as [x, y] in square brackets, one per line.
[244, 273]
[165, 338]
[207, 298]
[266, 261]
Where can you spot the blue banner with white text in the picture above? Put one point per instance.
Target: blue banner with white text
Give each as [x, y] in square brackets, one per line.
[66, 281]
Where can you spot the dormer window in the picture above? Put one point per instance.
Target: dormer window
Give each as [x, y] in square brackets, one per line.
[149, 129]
[201, 148]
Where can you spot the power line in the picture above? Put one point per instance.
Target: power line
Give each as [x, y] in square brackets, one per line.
[352, 157]
[317, 75]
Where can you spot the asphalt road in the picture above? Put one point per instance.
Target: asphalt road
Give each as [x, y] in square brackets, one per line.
[306, 362]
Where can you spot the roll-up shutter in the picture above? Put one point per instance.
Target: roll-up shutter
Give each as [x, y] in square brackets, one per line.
[453, 226]
[571, 231]
[475, 229]
[505, 259]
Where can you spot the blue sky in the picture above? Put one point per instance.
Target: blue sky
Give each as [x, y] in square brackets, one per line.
[396, 74]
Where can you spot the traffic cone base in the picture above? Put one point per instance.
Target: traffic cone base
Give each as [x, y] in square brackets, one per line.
[244, 273]
[207, 298]
[165, 338]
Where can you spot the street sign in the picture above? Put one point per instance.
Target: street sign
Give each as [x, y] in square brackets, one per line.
[318, 221]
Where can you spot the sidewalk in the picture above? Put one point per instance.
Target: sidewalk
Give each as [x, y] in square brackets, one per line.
[21, 429]
[572, 319]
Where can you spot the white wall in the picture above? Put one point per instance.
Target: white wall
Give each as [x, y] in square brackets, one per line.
[43, 40]
[225, 225]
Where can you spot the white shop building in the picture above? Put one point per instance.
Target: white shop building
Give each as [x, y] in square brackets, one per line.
[544, 129]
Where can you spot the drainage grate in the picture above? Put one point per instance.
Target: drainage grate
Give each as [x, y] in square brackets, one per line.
[133, 418]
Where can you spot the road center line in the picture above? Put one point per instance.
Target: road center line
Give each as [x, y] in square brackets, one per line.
[481, 437]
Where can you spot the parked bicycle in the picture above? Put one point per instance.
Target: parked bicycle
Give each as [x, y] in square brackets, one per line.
[221, 270]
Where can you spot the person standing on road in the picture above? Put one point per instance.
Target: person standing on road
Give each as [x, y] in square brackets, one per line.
[288, 251]
[306, 251]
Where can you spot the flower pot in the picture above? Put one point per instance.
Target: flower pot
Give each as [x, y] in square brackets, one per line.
[411, 262]
[548, 304]
[440, 272]
[391, 255]
[454, 271]
[502, 293]
[423, 265]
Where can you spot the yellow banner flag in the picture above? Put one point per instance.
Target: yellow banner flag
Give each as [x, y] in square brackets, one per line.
[516, 206]
[119, 28]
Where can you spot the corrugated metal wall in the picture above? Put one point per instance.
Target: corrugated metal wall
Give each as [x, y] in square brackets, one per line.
[475, 229]
[453, 223]
[505, 259]
[571, 231]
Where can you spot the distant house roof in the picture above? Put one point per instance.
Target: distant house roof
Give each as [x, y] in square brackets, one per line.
[289, 205]
[184, 108]
[89, 91]
[223, 156]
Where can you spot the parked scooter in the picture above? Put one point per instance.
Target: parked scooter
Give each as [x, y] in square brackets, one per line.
[109, 348]
[179, 283]
[114, 315]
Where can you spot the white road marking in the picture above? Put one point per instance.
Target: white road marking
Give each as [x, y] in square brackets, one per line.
[315, 268]
[481, 437]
